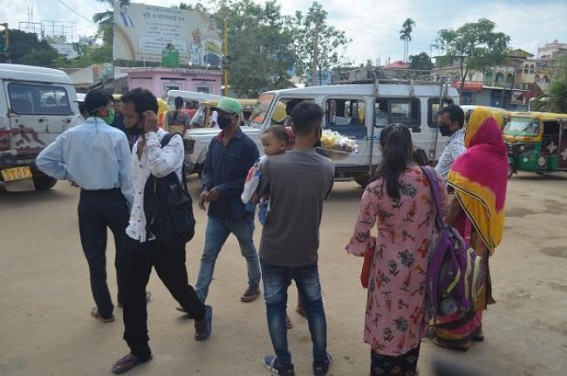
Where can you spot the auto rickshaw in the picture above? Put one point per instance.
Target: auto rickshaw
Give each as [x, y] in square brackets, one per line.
[501, 115]
[202, 117]
[536, 142]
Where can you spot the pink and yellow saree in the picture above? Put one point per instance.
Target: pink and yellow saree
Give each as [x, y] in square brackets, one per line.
[479, 178]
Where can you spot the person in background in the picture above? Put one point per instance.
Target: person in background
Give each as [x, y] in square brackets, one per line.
[297, 182]
[231, 155]
[191, 108]
[142, 251]
[177, 120]
[479, 179]
[118, 121]
[214, 119]
[399, 203]
[96, 157]
[450, 121]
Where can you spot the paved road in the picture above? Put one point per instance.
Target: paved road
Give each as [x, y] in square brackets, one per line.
[45, 298]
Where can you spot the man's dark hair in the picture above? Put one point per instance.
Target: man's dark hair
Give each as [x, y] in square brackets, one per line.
[143, 100]
[279, 133]
[306, 117]
[455, 113]
[96, 99]
[124, 2]
[178, 103]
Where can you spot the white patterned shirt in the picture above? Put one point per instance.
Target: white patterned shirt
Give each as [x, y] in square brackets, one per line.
[159, 162]
[455, 147]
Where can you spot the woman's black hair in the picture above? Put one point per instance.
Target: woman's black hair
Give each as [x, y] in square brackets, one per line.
[397, 150]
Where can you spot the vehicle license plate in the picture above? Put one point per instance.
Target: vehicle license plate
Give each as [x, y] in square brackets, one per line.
[16, 173]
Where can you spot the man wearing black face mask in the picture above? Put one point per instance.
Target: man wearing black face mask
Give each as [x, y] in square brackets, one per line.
[231, 154]
[450, 121]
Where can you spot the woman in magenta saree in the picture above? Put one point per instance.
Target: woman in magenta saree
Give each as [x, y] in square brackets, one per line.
[479, 178]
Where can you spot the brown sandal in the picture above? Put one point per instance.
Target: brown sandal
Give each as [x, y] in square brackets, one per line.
[251, 293]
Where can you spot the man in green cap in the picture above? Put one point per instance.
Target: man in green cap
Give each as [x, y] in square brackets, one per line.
[231, 154]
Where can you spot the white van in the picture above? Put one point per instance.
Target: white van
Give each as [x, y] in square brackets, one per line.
[36, 105]
[358, 111]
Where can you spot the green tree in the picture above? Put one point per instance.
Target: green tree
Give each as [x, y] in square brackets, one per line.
[317, 44]
[405, 35]
[473, 46]
[105, 31]
[259, 41]
[26, 48]
[555, 99]
[421, 61]
[197, 7]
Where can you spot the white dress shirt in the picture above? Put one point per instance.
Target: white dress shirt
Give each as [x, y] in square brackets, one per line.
[455, 147]
[157, 161]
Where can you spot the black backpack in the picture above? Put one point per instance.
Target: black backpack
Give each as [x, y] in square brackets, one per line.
[168, 207]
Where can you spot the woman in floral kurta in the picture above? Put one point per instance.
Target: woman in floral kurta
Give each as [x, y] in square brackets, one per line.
[396, 318]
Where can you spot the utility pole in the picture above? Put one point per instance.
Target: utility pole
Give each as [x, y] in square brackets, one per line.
[226, 58]
[315, 49]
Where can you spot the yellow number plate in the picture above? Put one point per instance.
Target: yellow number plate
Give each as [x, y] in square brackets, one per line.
[16, 173]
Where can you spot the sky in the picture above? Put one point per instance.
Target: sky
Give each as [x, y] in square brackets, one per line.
[372, 25]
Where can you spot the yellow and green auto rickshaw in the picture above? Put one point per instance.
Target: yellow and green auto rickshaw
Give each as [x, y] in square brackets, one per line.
[501, 115]
[536, 142]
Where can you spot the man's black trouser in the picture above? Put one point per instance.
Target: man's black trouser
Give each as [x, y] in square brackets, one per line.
[136, 264]
[97, 211]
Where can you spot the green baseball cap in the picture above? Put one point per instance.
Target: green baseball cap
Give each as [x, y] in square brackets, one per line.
[229, 105]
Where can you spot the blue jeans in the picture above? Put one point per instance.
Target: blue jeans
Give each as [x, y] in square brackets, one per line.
[215, 236]
[276, 281]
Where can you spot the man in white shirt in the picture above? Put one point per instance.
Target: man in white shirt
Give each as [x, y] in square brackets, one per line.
[450, 121]
[142, 251]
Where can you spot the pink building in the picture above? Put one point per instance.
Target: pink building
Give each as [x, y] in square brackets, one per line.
[160, 80]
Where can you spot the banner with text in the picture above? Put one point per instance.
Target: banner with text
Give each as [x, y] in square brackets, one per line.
[147, 33]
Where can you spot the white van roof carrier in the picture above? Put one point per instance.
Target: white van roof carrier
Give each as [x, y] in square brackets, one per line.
[379, 76]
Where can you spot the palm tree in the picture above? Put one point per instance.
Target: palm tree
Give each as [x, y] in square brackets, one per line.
[405, 35]
[105, 20]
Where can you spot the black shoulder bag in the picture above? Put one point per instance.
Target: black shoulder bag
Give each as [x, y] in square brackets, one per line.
[168, 207]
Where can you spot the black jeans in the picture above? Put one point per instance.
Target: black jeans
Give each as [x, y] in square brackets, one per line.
[97, 211]
[137, 261]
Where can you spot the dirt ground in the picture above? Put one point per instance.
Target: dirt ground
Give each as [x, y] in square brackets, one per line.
[45, 299]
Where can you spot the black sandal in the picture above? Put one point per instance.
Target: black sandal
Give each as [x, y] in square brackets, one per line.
[126, 363]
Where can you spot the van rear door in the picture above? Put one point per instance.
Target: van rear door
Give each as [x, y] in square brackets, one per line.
[38, 113]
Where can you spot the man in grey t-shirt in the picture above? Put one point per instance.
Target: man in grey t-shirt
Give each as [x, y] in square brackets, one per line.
[297, 183]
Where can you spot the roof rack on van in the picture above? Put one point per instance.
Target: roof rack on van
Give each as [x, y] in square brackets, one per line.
[389, 76]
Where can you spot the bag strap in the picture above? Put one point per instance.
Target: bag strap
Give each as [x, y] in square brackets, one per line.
[434, 187]
[164, 141]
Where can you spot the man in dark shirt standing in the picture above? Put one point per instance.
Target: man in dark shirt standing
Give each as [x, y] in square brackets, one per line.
[297, 183]
[231, 154]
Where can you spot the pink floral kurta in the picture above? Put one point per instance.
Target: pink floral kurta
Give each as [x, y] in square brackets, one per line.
[396, 318]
